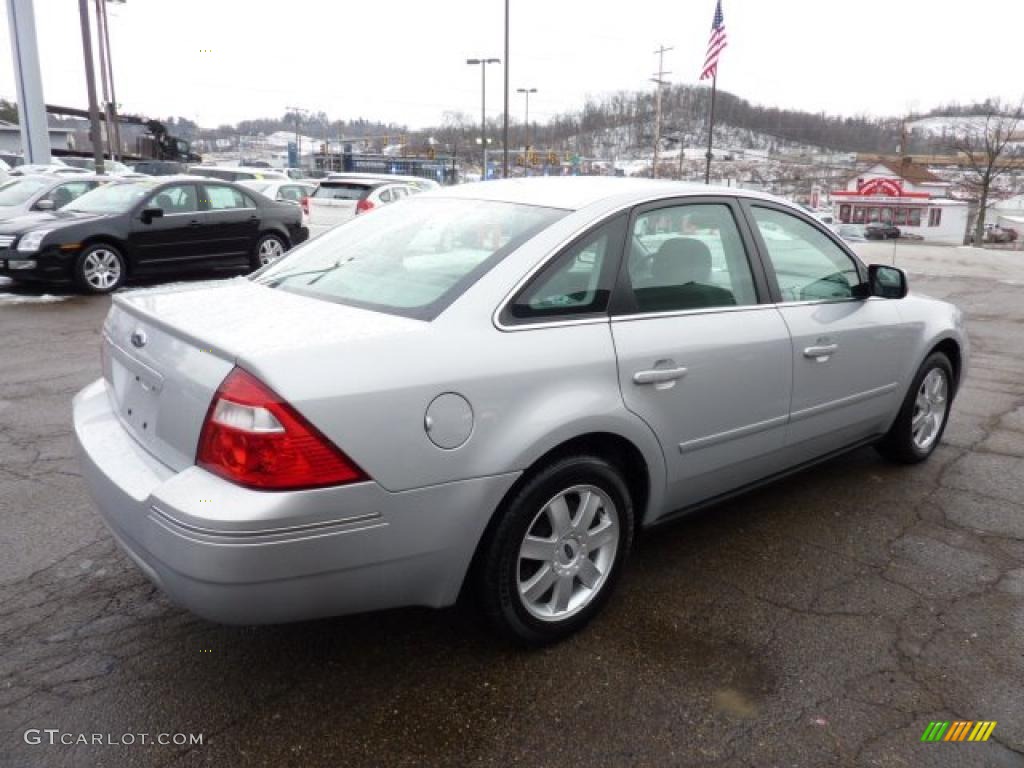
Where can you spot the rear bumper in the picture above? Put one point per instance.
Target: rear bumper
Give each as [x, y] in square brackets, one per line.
[247, 557]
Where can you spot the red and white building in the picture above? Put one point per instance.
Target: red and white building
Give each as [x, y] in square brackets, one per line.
[909, 196]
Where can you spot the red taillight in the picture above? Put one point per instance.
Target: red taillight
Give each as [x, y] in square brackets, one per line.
[363, 206]
[253, 438]
[305, 204]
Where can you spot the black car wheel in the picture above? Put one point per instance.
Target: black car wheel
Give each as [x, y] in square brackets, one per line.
[100, 268]
[269, 248]
[557, 551]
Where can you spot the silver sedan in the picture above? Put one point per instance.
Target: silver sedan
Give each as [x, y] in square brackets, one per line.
[493, 388]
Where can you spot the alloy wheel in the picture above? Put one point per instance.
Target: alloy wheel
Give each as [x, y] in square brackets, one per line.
[929, 409]
[101, 269]
[567, 553]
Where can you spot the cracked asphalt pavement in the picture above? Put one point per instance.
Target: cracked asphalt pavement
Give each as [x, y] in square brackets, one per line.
[822, 621]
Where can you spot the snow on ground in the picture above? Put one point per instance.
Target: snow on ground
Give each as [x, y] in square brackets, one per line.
[17, 298]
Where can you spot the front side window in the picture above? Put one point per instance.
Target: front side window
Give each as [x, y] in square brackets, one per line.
[179, 198]
[219, 198]
[688, 257]
[115, 197]
[808, 265]
[411, 260]
[577, 282]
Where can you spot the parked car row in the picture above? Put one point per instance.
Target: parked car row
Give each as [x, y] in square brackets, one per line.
[137, 227]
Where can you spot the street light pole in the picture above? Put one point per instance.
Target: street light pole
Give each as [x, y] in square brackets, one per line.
[504, 141]
[483, 106]
[527, 92]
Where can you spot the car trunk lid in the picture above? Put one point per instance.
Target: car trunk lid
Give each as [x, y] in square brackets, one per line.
[165, 352]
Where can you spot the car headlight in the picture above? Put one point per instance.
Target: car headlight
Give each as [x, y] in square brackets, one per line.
[31, 241]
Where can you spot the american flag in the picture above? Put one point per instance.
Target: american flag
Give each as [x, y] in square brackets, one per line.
[716, 44]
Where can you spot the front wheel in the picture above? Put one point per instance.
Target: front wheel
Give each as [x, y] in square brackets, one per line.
[557, 550]
[100, 268]
[269, 248]
[922, 419]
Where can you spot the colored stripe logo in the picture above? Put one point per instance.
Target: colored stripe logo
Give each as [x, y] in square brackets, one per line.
[959, 730]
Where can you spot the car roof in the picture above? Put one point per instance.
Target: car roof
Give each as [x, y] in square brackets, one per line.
[576, 192]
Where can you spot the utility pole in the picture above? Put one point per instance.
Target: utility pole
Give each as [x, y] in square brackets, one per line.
[90, 84]
[113, 126]
[298, 138]
[658, 80]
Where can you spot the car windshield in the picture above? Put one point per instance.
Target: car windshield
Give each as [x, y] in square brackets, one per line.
[20, 190]
[411, 259]
[113, 198]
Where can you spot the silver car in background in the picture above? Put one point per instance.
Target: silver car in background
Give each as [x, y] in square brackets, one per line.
[493, 387]
[45, 192]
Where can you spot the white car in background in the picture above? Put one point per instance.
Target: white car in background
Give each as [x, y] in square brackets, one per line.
[337, 200]
[289, 191]
[424, 185]
[236, 173]
[57, 167]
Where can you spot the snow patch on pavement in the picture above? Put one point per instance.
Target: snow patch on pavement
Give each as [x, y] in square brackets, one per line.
[14, 298]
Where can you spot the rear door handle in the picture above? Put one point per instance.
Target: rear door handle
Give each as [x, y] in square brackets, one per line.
[658, 375]
[821, 353]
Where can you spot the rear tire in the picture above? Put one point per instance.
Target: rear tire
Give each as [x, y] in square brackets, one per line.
[100, 269]
[269, 248]
[557, 551]
[924, 414]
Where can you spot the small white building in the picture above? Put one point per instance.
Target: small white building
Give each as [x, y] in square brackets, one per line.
[909, 196]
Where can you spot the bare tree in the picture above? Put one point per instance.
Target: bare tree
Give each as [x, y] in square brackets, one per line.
[987, 151]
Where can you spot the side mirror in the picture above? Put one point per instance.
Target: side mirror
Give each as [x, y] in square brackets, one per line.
[148, 214]
[887, 282]
[45, 205]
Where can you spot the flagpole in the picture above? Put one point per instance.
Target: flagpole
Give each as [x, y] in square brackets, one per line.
[711, 126]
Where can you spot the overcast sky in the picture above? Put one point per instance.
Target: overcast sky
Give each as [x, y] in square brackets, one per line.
[404, 60]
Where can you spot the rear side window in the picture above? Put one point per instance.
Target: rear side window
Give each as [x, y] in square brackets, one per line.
[577, 282]
[411, 260]
[341, 191]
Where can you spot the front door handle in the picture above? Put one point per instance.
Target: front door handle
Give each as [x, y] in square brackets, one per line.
[821, 353]
[658, 375]
[195, 223]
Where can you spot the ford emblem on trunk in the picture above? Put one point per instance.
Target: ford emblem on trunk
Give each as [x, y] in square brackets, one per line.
[139, 338]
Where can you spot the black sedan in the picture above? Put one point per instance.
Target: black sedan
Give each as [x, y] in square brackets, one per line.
[882, 230]
[162, 226]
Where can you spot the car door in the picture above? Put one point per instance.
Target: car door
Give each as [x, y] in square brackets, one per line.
[232, 222]
[176, 237]
[704, 356]
[846, 349]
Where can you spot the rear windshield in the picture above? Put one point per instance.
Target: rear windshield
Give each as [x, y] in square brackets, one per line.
[412, 259]
[338, 190]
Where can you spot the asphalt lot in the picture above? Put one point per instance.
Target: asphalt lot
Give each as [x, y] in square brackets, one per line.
[822, 621]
